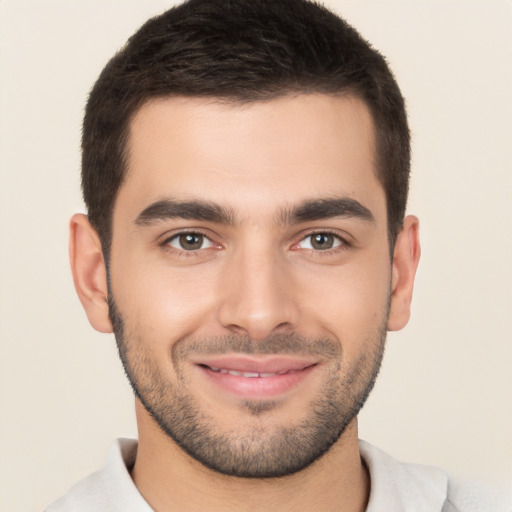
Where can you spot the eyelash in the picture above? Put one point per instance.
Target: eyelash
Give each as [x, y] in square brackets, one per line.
[165, 244]
[343, 244]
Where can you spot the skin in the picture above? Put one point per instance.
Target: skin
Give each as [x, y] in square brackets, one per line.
[258, 276]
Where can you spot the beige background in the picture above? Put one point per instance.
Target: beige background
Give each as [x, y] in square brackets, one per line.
[444, 394]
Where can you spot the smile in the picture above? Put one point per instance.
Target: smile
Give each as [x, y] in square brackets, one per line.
[252, 375]
[255, 379]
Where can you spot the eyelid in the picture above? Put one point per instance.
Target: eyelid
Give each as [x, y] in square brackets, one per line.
[168, 237]
[177, 238]
[343, 239]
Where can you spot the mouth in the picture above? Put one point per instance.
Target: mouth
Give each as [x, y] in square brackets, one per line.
[256, 379]
[251, 375]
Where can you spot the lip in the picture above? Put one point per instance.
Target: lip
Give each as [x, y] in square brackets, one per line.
[256, 378]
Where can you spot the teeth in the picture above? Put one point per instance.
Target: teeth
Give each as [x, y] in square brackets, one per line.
[249, 375]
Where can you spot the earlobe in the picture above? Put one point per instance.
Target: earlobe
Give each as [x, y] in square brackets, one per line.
[89, 272]
[405, 262]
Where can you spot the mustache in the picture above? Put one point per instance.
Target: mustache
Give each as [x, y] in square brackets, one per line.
[275, 344]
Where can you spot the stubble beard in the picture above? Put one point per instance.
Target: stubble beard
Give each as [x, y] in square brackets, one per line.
[256, 452]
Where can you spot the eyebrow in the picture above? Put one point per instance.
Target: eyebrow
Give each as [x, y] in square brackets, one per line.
[325, 209]
[211, 212]
[189, 210]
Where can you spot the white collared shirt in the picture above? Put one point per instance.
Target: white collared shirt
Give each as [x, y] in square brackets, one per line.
[395, 487]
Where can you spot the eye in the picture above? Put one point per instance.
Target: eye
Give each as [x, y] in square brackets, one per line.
[189, 242]
[321, 242]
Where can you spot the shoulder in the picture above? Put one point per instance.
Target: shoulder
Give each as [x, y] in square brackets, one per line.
[475, 496]
[404, 487]
[85, 495]
[110, 489]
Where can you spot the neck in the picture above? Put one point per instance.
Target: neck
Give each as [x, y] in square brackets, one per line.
[169, 479]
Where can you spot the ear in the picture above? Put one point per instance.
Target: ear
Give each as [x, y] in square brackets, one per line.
[405, 262]
[89, 271]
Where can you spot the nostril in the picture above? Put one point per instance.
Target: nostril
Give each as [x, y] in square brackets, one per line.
[237, 329]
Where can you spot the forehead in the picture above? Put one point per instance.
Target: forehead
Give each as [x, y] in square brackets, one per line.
[257, 155]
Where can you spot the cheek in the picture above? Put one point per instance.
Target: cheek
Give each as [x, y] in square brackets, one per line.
[161, 302]
[350, 301]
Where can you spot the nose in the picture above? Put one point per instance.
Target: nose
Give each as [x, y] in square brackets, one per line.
[257, 295]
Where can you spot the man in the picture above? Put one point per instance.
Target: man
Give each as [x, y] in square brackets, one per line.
[245, 169]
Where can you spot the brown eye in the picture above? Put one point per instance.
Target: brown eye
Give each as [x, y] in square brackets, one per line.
[190, 242]
[321, 242]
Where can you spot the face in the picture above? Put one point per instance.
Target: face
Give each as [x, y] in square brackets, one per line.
[250, 276]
